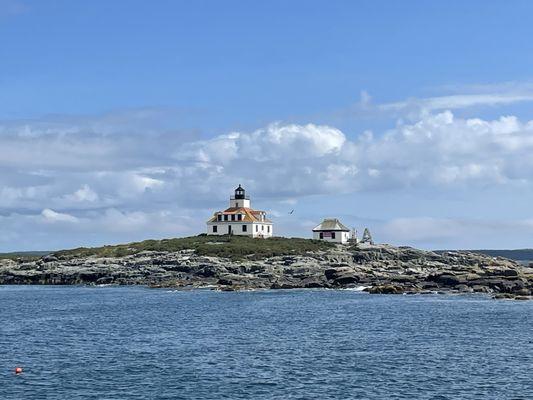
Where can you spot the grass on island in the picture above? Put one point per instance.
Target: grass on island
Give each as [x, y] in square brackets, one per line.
[26, 255]
[233, 247]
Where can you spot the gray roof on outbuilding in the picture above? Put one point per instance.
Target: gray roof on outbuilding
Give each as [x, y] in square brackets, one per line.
[331, 224]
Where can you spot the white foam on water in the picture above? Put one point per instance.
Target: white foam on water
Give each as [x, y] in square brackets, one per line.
[357, 288]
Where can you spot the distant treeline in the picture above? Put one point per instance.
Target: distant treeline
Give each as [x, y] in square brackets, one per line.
[518, 255]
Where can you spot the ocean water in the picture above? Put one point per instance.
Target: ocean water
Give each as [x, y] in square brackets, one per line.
[138, 343]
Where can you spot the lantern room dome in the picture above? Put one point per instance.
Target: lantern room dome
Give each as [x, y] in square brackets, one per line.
[240, 192]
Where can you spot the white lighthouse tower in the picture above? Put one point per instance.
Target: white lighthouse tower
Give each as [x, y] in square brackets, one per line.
[240, 200]
[240, 219]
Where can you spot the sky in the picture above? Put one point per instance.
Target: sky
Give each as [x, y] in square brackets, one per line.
[128, 120]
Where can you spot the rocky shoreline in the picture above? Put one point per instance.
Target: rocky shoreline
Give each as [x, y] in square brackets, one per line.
[382, 269]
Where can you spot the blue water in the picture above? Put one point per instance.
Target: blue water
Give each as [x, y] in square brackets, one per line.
[137, 343]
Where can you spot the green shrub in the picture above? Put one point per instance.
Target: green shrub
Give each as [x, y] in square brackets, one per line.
[233, 247]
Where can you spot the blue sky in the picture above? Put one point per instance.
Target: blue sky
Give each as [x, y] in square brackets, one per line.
[125, 120]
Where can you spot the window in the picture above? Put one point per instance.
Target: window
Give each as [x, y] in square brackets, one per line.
[219, 217]
[237, 204]
[215, 229]
[225, 217]
[244, 228]
[257, 228]
[239, 217]
[333, 235]
[321, 235]
[268, 228]
[233, 217]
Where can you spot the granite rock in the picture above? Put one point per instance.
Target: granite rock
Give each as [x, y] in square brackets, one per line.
[383, 268]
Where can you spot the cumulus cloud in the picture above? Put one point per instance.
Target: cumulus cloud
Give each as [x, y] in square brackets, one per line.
[97, 170]
[53, 216]
[84, 175]
[275, 142]
[438, 150]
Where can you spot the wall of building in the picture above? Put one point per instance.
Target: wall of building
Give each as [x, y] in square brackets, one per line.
[340, 236]
[262, 230]
[252, 229]
[236, 203]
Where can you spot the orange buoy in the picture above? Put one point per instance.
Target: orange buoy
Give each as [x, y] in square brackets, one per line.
[18, 370]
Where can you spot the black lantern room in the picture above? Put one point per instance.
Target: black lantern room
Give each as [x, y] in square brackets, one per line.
[239, 193]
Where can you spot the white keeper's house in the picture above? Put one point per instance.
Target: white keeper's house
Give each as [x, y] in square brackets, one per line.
[331, 230]
[240, 219]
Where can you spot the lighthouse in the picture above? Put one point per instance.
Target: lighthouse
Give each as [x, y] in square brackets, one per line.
[240, 219]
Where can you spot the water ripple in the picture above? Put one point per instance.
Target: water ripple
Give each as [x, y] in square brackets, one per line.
[136, 343]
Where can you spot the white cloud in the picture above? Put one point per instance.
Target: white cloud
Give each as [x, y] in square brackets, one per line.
[456, 102]
[67, 174]
[49, 229]
[283, 161]
[53, 216]
[274, 142]
[83, 194]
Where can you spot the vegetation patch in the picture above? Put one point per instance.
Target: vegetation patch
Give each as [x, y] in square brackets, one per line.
[233, 247]
[25, 255]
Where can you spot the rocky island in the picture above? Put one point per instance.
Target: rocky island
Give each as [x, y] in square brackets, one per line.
[242, 263]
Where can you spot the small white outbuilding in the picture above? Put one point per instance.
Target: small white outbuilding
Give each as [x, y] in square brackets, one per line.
[331, 230]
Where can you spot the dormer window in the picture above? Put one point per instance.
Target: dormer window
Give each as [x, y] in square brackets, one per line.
[219, 217]
[239, 217]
